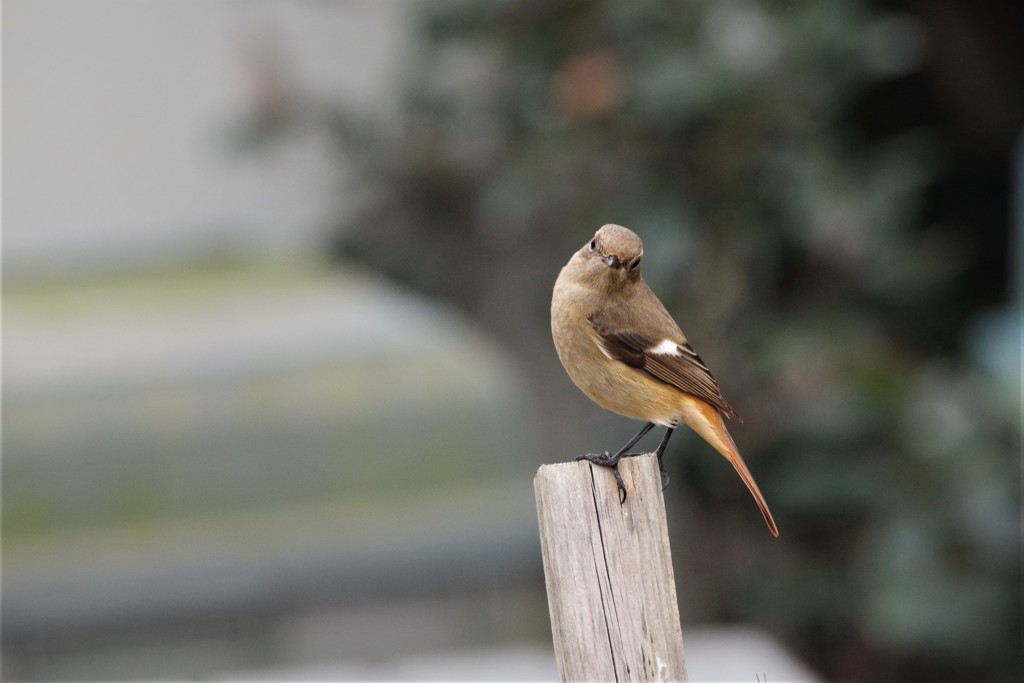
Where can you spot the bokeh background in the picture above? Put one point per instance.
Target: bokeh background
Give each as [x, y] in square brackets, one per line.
[277, 368]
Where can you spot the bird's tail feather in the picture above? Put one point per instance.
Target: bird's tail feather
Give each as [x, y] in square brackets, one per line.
[712, 429]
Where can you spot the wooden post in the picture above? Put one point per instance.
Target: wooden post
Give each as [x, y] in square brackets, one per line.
[608, 570]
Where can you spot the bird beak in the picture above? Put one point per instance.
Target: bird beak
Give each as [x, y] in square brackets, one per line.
[611, 261]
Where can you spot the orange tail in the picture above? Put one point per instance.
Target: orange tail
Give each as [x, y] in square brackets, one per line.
[710, 426]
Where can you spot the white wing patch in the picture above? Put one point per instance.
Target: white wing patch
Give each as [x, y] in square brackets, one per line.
[666, 347]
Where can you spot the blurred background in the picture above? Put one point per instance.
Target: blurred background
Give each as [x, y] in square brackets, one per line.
[277, 366]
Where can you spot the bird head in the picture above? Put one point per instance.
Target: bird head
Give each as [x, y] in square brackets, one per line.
[612, 257]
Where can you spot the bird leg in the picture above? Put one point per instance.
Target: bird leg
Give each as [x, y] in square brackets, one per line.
[660, 452]
[608, 460]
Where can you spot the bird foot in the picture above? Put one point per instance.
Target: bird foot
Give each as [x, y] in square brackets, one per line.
[606, 459]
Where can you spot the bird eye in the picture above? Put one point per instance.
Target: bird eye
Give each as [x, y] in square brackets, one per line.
[593, 244]
[635, 263]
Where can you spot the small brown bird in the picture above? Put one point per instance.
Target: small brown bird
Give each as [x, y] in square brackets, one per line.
[626, 353]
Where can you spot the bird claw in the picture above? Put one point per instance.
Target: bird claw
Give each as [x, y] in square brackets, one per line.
[620, 484]
[606, 459]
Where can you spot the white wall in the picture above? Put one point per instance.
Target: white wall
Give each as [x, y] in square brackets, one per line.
[117, 113]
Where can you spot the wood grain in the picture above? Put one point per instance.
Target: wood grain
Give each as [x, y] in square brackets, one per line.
[608, 570]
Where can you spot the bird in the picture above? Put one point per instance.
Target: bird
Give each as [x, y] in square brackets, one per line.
[625, 352]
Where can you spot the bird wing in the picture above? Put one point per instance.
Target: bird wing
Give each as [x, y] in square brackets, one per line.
[672, 362]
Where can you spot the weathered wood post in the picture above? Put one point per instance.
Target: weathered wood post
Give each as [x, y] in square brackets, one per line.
[608, 570]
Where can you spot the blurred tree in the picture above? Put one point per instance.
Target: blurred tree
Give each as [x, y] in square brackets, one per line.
[802, 194]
